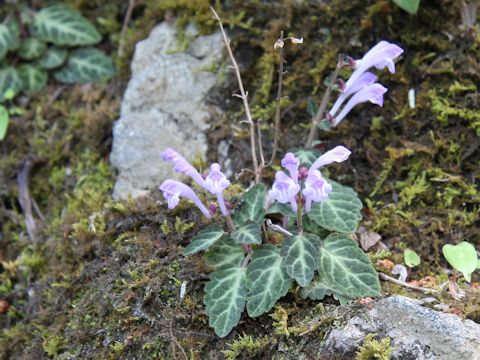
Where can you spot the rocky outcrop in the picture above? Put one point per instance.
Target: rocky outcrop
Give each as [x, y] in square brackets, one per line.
[163, 106]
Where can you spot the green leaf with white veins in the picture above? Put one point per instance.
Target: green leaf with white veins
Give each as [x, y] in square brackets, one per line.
[267, 281]
[225, 296]
[31, 48]
[248, 233]
[204, 239]
[6, 40]
[346, 268]
[85, 65]
[225, 253]
[319, 288]
[252, 207]
[61, 25]
[33, 78]
[10, 81]
[341, 212]
[300, 257]
[53, 58]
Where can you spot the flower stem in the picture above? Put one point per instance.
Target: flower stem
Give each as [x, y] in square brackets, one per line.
[299, 219]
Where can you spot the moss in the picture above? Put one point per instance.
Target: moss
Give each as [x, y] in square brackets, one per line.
[375, 349]
[245, 347]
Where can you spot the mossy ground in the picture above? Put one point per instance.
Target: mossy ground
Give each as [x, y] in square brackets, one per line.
[103, 279]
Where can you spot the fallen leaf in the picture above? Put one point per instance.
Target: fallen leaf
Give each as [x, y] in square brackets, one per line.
[368, 238]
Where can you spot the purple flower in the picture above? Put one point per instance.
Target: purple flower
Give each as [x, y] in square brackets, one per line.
[284, 190]
[216, 182]
[182, 166]
[379, 56]
[291, 163]
[172, 190]
[373, 93]
[337, 154]
[316, 189]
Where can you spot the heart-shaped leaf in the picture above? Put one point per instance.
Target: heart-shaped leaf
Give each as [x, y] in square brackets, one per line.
[33, 78]
[267, 281]
[248, 233]
[463, 257]
[85, 65]
[31, 48]
[300, 257]
[225, 296]
[61, 25]
[341, 212]
[6, 40]
[225, 253]
[10, 81]
[319, 288]
[204, 239]
[411, 258]
[252, 206]
[53, 58]
[346, 269]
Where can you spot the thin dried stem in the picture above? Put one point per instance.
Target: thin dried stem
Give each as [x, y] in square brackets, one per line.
[407, 285]
[126, 21]
[277, 105]
[260, 148]
[243, 95]
[323, 105]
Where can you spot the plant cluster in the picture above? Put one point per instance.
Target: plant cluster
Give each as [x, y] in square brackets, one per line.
[57, 40]
[257, 260]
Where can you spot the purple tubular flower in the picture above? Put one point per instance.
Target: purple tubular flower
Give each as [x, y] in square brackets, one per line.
[316, 189]
[291, 163]
[182, 166]
[373, 93]
[379, 56]
[364, 80]
[216, 182]
[337, 154]
[284, 190]
[172, 190]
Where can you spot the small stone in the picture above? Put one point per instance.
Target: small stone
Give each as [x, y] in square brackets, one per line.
[4, 306]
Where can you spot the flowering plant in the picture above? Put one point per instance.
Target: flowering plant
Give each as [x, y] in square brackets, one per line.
[314, 216]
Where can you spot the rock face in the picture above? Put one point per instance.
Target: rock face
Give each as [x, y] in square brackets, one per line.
[416, 332]
[163, 106]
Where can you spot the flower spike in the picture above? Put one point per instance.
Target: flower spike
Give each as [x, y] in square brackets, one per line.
[172, 190]
[284, 190]
[316, 189]
[216, 182]
[182, 166]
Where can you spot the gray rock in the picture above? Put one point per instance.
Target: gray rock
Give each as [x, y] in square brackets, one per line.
[416, 332]
[163, 106]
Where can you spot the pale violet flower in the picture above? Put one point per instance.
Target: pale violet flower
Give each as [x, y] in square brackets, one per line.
[284, 190]
[216, 182]
[316, 189]
[363, 82]
[337, 154]
[291, 163]
[182, 166]
[173, 190]
[373, 93]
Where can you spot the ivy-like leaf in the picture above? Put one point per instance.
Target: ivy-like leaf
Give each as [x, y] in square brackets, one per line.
[248, 233]
[225, 253]
[4, 119]
[252, 207]
[33, 78]
[284, 209]
[300, 257]
[6, 40]
[306, 157]
[267, 281]
[346, 269]
[225, 296]
[204, 239]
[53, 58]
[319, 288]
[31, 49]
[341, 212]
[9, 81]
[312, 227]
[85, 65]
[61, 25]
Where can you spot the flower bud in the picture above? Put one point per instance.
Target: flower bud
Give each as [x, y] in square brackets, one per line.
[212, 208]
[302, 173]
